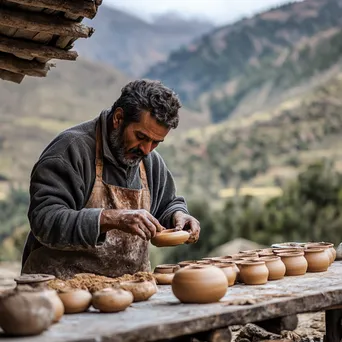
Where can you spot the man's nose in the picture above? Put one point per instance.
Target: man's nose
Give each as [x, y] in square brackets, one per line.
[146, 147]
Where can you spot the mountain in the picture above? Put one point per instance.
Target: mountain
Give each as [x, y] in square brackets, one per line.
[255, 62]
[34, 112]
[265, 149]
[133, 45]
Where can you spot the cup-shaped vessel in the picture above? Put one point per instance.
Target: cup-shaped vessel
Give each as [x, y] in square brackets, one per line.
[276, 268]
[295, 263]
[318, 259]
[112, 300]
[199, 284]
[254, 272]
[170, 237]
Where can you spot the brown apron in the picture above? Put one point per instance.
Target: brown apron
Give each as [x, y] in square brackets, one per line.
[121, 252]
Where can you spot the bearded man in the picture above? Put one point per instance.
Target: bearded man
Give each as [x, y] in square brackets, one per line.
[99, 191]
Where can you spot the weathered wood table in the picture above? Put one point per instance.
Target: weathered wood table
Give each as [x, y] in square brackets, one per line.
[163, 317]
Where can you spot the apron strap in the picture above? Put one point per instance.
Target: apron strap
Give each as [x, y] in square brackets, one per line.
[98, 160]
[143, 176]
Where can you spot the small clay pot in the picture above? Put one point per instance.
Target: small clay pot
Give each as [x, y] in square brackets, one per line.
[254, 273]
[199, 284]
[170, 237]
[163, 274]
[229, 270]
[75, 300]
[141, 290]
[237, 263]
[317, 258]
[56, 302]
[328, 248]
[276, 268]
[112, 300]
[25, 313]
[295, 263]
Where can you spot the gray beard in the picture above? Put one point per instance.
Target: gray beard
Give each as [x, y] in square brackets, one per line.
[118, 149]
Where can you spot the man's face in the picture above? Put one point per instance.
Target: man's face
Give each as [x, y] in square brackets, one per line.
[135, 141]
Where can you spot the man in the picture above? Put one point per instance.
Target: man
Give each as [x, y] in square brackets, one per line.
[99, 192]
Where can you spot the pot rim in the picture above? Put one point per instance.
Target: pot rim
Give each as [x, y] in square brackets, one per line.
[224, 265]
[252, 263]
[270, 258]
[292, 254]
[314, 250]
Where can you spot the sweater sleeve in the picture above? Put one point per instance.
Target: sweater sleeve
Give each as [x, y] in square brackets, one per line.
[56, 214]
[167, 200]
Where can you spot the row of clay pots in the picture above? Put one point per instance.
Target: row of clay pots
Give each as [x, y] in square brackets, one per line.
[29, 311]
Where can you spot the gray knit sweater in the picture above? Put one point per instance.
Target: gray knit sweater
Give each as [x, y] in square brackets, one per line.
[62, 181]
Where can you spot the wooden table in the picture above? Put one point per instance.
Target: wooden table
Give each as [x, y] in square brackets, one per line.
[164, 317]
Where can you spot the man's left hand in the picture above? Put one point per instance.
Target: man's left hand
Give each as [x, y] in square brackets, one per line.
[188, 223]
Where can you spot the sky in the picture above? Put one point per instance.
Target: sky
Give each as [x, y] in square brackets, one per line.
[217, 11]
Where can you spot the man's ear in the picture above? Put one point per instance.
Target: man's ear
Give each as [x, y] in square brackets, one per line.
[118, 117]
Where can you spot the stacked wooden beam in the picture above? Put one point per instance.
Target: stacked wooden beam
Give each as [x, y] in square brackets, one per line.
[32, 32]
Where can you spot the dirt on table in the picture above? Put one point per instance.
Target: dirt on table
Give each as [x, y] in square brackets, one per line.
[92, 282]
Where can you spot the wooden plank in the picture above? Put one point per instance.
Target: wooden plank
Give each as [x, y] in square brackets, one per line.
[20, 66]
[11, 76]
[164, 317]
[44, 23]
[333, 324]
[32, 50]
[78, 8]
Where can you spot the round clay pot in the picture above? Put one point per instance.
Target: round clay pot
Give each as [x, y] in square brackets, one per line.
[276, 268]
[141, 290]
[230, 272]
[75, 300]
[112, 300]
[25, 313]
[187, 263]
[56, 302]
[237, 263]
[295, 263]
[163, 278]
[34, 280]
[199, 284]
[170, 237]
[254, 273]
[317, 258]
[328, 248]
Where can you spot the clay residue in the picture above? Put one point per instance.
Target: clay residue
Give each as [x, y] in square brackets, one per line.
[92, 282]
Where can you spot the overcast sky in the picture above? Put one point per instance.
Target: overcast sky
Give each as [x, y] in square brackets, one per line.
[218, 11]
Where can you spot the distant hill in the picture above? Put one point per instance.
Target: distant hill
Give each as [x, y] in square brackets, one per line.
[258, 61]
[265, 149]
[133, 45]
[34, 112]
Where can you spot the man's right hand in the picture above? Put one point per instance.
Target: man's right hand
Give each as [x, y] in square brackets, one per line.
[136, 222]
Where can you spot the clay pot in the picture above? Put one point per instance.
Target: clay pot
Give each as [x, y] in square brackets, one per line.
[254, 273]
[276, 268]
[56, 302]
[229, 270]
[25, 313]
[317, 258]
[75, 300]
[295, 263]
[187, 263]
[164, 273]
[170, 237]
[141, 290]
[328, 248]
[237, 263]
[112, 300]
[199, 284]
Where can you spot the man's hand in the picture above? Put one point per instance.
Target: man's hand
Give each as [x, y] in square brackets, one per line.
[136, 222]
[184, 221]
